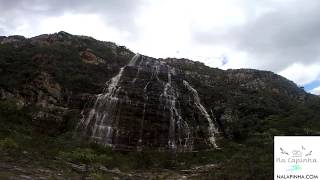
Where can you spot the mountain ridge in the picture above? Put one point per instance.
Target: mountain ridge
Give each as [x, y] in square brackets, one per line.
[63, 34]
[72, 89]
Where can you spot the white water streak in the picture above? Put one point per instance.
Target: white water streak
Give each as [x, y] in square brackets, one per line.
[105, 109]
[170, 97]
[212, 129]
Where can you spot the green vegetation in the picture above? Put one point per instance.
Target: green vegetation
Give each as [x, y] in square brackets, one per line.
[20, 65]
[8, 145]
[247, 158]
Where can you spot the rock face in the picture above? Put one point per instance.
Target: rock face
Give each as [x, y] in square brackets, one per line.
[88, 57]
[149, 104]
[131, 101]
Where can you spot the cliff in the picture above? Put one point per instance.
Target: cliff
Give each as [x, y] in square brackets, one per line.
[134, 101]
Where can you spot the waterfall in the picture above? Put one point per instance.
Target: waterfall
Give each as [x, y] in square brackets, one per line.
[134, 60]
[170, 101]
[178, 131]
[106, 109]
[212, 129]
[139, 69]
[149, 86]
[145, 97]
[170, 96]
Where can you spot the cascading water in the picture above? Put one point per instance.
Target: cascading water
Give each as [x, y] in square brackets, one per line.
[142, 103]
[167, 98]
[179, 131]
[134, 60]
[139, 68]
[212, 129]
[105, 111]
[170, 103]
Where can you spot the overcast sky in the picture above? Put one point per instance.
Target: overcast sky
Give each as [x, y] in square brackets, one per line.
[278, 35]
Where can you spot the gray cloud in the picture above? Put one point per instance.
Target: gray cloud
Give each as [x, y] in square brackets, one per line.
[119, 14]
[288, 33]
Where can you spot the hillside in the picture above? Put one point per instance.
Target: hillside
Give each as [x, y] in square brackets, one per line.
[65, 96]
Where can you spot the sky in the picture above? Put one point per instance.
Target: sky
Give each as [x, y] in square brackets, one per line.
[282, 36]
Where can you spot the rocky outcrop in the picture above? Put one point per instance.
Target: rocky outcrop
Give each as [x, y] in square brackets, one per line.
[12, 39]
[136, 102]
[88, 57]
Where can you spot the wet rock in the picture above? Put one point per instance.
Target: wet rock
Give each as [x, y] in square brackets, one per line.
[142, 106]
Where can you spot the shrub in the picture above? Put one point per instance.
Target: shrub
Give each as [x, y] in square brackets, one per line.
[8, 145]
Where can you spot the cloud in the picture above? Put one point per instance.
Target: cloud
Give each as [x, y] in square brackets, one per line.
[15, 14]
[302, 74]
[281, 38]
[276, 35]
[283, 34]
[316, 91]
[1, 31]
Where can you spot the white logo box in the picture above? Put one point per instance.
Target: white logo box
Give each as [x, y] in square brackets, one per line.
[296, 157]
